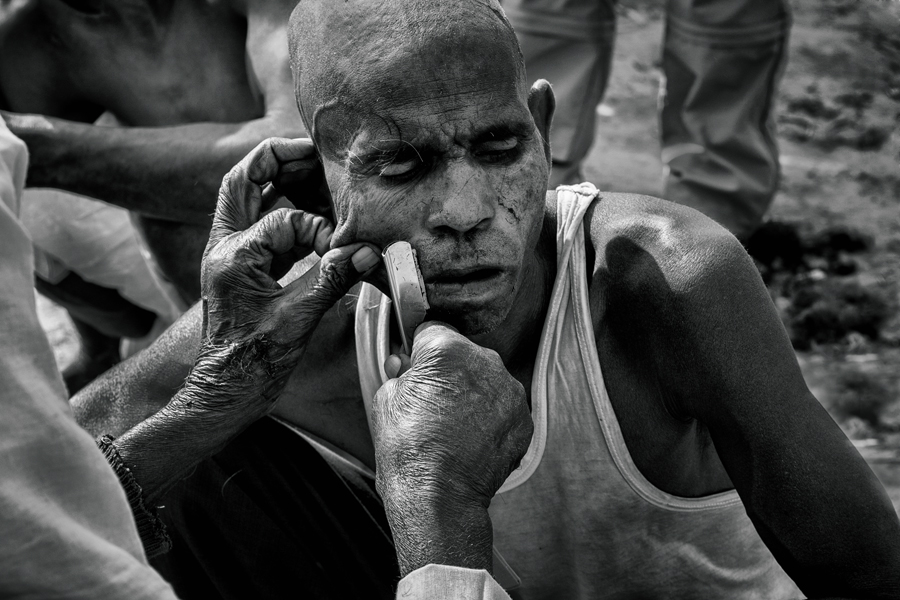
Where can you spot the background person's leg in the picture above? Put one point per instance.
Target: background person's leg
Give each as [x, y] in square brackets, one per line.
[721, 62]
[570, 44]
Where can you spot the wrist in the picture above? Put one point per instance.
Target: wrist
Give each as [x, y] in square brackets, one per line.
[244, 375]
[430, 528]
[150, 528]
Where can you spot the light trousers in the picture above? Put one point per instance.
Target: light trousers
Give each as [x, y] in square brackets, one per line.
[721, 63]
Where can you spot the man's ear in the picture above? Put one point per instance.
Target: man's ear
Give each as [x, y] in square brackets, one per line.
[542, 104]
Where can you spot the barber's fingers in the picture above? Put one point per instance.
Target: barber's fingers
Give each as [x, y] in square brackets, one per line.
[432, 329]
[301, 169]
[275, 156]
[307, 298]
[240, 195]
[271, 197]
[248, 256]
[285, 229]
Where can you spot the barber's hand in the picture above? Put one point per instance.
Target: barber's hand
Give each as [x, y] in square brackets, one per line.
[244, 304]
[447, 433]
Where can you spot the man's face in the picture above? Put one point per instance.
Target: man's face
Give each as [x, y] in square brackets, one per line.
[454, 165]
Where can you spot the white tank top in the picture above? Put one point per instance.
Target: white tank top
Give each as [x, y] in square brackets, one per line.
[577, 519]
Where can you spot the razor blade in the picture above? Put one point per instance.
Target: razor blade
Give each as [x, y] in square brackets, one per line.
[407, 290]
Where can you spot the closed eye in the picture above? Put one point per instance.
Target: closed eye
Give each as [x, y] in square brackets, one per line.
[403, 164]
[399, 169]
[498, 150]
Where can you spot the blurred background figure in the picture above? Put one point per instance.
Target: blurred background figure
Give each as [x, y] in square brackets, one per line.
[89, 259]
[721, 62]
[66, 530]
[144, 105]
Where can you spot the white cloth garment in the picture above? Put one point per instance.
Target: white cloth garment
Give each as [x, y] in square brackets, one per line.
[442, 582]
[66, 530]
[98, 242]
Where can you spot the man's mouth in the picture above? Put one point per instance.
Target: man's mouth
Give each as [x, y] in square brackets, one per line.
[472, 288]
[473, 275]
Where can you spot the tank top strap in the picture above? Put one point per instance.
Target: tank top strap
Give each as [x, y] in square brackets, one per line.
[572, 202]
[373, 318]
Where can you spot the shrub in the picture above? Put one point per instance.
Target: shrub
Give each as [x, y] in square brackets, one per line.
[860, 395]
[826, 311]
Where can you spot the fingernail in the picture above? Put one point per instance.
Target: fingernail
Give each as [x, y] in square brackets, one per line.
[364, 259]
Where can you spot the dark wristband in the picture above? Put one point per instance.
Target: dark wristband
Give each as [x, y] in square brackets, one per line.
[150, 528]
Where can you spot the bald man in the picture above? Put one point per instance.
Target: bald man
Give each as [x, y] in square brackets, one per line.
[676, 450]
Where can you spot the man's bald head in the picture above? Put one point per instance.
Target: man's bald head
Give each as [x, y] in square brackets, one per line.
[428, 133]
[342, 50]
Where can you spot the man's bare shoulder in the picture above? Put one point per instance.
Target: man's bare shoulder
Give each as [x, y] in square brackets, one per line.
[667, 283]
[642, 241]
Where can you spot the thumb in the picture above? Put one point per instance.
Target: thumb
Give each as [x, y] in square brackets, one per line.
[396, 365]
[312, 294]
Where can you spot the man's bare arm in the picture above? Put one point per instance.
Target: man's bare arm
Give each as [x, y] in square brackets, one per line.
[170, 172]
[139, 387]
[726, 359]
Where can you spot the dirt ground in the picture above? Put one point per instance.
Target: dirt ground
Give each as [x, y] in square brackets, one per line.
[836, 240]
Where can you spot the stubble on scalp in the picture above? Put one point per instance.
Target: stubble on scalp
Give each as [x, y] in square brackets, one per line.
[338, 48]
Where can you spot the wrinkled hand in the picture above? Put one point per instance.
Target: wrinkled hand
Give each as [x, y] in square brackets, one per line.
[447, 434]
[244, 306]
[303, 183]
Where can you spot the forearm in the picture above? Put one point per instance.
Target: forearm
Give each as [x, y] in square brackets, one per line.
[230, 387]
[150, 457]
[171, 173]
[142, 385]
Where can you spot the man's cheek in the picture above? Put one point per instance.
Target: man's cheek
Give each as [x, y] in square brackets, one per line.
[370, 218]
[522, 197]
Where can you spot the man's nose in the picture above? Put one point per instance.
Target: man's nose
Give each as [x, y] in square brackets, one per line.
[469, 202]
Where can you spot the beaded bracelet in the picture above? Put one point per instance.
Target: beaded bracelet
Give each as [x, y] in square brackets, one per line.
[150, 528]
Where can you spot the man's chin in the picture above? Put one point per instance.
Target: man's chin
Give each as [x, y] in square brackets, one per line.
[473, 308]
[471, 322]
